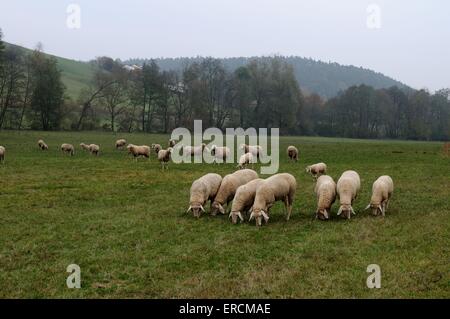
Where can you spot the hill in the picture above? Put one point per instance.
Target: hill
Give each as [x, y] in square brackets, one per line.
[75, 74]
[325, 79]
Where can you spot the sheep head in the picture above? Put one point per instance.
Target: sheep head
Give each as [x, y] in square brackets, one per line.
[376, 209]
[217, 207]
[234, 217]
[258, 215]
[322, 214]
[196, 209]
[346, 210]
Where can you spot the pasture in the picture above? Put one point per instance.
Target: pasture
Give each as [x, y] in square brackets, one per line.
[124, 224]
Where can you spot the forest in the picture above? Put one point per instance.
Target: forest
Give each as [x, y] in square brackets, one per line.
[259, 93]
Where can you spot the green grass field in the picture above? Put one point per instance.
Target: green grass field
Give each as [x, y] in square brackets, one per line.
[124, 224]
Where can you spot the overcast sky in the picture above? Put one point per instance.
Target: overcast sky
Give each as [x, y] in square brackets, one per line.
[412, 43]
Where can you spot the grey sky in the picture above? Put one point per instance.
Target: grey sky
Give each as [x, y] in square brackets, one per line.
[412, 44]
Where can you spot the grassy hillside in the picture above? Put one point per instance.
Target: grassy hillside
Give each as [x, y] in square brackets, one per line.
[75, 74]
[124, 224]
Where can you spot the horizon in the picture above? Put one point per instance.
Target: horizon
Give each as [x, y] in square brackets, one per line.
[406, 43]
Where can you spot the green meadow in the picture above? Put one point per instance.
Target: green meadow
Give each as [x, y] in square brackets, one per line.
[125, 224]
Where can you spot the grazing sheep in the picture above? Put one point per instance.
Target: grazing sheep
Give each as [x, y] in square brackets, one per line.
[121, 143]
[230, 184]
[347, 188]
[292, 153]
[220, 153]
[172, 143]
[164, 157]
[203, 189]
[84, 146]
[245, 159]
[156, 148]
[382, 190]
[137, 151]
[68, 148]
[42, 145]
[317, 169]
[194, 150]
[94, 149]
[2, 154]
[243, 199]
[325, 191]
[256, 150]
[277, 187]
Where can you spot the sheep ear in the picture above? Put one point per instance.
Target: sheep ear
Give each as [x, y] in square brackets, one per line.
[201, 207]
[381, 210]
[189, 209]
[231, 214]
[240, 216]
[221, 210]
[339, 211]
[266, 217]
[368, 206]
[252, 215]
[353, 212]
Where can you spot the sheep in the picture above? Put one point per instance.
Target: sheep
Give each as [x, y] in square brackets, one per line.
[172, 143]
[121, 143]
[382, 190]
[194, 150]
[42, 145]
[230, 184]
[347, 189]
[164, 157]
[292, 153]
[245, 159]
[325, 191]
[317, 169]
[256, 150]
[2, 154]
[137, 151]
[68, 148]
[94, 149]
[243, 199]
[84, 146]
[203, 189]
[277, 187]
[156, 148]
[220, 153]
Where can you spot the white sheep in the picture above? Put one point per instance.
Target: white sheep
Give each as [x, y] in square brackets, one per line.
[194, 150]
[246, 159]
[172, 143]
[256, 150]
[317, 169]
[42, 145]
[325, 191]
[68, 148]
[243, 199]
[84, 147]
[292, 153]
[137, 151]
[220, 153]
[203, 189]
[121, 143]
[94, 149]
[2, 154]
[382, 190]
[164, 157]
[347, 189]
[156, 148]
[277, 187]
[228, 187]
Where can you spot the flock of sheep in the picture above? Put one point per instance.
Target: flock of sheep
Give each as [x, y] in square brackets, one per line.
[253, 197]
[250, 195]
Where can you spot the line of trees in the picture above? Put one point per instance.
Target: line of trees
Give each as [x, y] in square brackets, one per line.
[262, 93]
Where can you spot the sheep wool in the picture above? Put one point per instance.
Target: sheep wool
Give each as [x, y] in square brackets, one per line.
[42, 145]
[243, 199]
[317, 169]
[94, 149]
[164, 157]
[382, 190]
[245, 159]
[228, 187]
[2, 154]
[325, 191]
[121, 143]
[347, 188]
[68, 149]
[220, 153]
[203, 189]
[138, 151]
[275, 188]
[292, 153]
